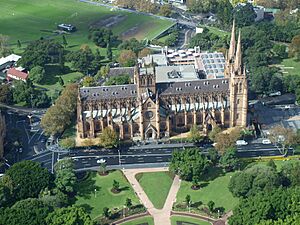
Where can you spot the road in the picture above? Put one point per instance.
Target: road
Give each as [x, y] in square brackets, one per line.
[143, 156]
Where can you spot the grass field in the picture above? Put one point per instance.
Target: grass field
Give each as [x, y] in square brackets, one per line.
[145, 220]
[290, 66]
[28, 20]
[94, 201]
[156, 185]
[215, 189]
[187, 220]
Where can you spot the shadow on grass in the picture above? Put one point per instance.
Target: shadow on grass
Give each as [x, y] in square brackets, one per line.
[213, 173]
[87, 187]
[126, 188]
[203, 184]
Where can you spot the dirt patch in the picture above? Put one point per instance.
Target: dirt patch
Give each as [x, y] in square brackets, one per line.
[130, 33]
[109, 21]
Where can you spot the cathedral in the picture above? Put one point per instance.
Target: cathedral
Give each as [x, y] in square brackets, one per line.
[170, 92]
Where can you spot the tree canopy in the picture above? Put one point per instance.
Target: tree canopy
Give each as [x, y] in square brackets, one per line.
[40, 53]
[109, 138]
[69, 216]
[26, 212]
[27, 179]
[60, 115]
[188, 164]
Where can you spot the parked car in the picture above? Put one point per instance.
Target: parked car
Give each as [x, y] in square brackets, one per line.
[266, 142]
[241, 142]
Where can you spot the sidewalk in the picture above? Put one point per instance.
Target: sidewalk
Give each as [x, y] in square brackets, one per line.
[161, 216]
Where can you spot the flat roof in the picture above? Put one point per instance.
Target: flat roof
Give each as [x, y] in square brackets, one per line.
[175, 73]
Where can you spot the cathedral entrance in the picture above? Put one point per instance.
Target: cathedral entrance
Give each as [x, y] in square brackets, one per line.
[150, 134]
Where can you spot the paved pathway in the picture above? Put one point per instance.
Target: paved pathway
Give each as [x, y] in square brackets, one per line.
[161, 216]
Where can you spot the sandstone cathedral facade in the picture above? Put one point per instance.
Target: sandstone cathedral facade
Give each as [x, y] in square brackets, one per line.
[170, 92]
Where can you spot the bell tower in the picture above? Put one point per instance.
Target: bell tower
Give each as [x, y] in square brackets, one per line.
[235, 71]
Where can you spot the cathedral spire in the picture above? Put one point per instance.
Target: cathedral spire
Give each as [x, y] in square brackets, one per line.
[232, 43]
[238, 55]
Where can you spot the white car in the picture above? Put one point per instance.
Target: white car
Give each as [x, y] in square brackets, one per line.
[101, 161]
[266, 142]
[241, 142]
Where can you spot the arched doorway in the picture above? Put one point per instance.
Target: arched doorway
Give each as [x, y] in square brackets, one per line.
[150, 134]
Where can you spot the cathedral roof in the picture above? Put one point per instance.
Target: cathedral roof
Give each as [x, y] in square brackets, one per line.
[109, 92]
[194, 87]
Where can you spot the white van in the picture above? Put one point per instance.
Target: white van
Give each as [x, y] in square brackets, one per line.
[241, 142]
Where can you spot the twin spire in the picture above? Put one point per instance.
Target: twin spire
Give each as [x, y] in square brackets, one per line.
[235, 51]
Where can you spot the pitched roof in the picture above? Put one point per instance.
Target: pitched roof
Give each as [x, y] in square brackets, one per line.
[17, 73]
[109, 92]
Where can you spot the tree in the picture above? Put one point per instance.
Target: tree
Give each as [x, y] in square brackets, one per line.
[116, 186]
[102, 168]
[106, 212]
[283, 138]
[213, 155]
[67, 143]
[144, 52]
[195, 135]
[212, 134]
[127, 58]
[22, 92]
[165, 10]
[81, 59]
[19, 44]
[59, 116]
[133, 45]
[88, 81]
[40, 53]
[72, 215]
[253, 180]
[5, 195]
[188, 164]
[61, 81]
[128, 203]
[244, 15]
[290, 172]
[27, 179]
[272, 164]
[227, 140]
[109, 53]
[188, 199]
[280, 51]
[225, 12]
[102, 37]
[294, 47]
[211, 205]
[201, 6]
[37, 74]
[64, 41]
[104, 71]
[276, 204]
[6, 94]
[229, 160]
[65, 178]
[109, 138]
[27, 212]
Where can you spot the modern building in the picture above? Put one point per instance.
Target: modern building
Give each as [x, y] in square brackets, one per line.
[168, 98]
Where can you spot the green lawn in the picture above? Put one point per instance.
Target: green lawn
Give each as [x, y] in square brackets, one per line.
[94, 202]
[291, 66]
[188, 220]
[215, 189]
[156, 185]
[145, 220]
[28, 20]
